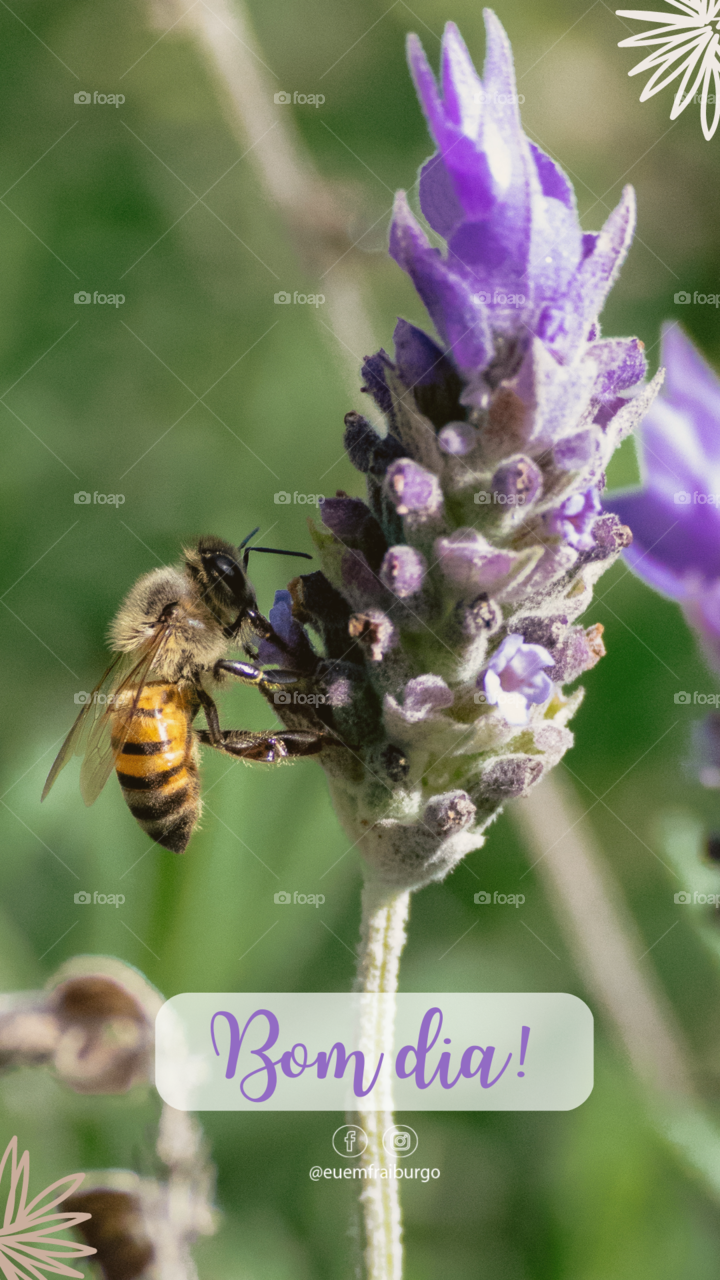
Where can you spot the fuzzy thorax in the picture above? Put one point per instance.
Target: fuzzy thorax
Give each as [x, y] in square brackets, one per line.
[165, 600]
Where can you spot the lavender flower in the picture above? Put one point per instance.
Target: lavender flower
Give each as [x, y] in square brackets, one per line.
[675, 516]
[573, 520]
[482, 536]
[515, 678]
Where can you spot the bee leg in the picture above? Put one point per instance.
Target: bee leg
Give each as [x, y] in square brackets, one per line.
[250, 674]
[260, 624]
[261, 627]
[266, 748]
[211, 714]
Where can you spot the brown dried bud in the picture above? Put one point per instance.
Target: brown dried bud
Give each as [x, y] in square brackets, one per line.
[374, 631]
[95, 1024]
[116, 1230]
[142, 1227]
[593, 635]
[105, 1012]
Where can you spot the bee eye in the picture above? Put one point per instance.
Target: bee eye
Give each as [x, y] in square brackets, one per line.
[223, 566]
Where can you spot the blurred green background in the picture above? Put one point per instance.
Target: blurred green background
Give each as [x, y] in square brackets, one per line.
[103, 399]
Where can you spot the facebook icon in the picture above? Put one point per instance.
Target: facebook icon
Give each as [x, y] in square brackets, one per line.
[349, 1141]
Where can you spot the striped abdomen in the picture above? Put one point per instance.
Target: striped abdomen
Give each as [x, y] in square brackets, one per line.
[156, 767]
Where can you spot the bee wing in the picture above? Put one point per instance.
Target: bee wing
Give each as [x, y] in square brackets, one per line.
[109, 733]
[77, 739]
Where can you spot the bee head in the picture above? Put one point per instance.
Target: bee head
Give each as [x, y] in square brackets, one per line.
[215, 566]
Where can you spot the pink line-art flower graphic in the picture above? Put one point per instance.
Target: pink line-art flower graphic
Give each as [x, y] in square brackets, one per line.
[687, 46]
[29, 1247]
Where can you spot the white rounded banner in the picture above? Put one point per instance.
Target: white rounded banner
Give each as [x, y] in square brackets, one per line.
[320, 1051]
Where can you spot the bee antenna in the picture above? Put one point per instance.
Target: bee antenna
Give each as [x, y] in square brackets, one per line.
[275, 551]
[246, 540]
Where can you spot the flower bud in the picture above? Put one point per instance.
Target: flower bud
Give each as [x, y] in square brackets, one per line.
[470, 562]
[518, 481]
[509, 777]
[105, 1013]
[355, 525]
[403, 570]
[413, 489]
[367, 450]
[458, 439]
[374, 632]
[447, 814]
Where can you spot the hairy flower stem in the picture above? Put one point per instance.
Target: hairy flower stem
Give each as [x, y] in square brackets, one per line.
[382, 937]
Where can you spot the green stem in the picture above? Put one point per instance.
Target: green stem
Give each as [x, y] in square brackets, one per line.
[384, 913]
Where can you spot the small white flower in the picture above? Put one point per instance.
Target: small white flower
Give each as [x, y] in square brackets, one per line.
[688, 46]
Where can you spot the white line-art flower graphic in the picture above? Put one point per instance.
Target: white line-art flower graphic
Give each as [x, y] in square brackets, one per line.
[29, 1247]
[687, 46]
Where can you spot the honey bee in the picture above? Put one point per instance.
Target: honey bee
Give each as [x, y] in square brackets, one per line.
[170, 636]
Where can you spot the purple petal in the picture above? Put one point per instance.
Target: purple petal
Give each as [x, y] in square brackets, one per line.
[427, 90]
[594, 278]
[420, 361]
[462, 87]
[673, 546]
[289, 630]
[438, 199]
[553, 181]
[573, 520]
[692, 386]
[621, 364]
[515, 678]
[460, 318]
